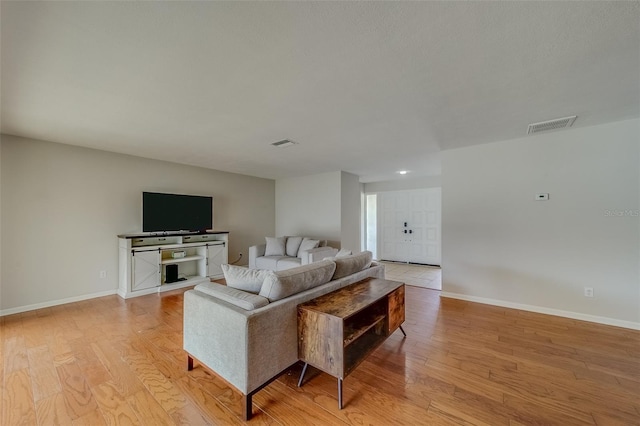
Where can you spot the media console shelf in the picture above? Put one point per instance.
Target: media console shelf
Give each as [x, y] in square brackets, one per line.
[144, 258]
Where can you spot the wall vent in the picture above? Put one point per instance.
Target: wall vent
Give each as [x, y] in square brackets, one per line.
[556, 123]
[283, 143]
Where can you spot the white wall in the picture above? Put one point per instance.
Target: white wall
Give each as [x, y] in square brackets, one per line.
[350, 210]
[403, 183]
[63, 206]
[325, 206]
[502, 247]
[310, 206]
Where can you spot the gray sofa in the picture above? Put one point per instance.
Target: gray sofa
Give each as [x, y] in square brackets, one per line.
[279, 254]
[249, 339]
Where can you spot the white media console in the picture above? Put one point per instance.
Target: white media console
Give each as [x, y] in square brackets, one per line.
[144, 259]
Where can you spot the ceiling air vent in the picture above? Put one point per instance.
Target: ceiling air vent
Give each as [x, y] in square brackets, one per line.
[283, 143]
[556, 123]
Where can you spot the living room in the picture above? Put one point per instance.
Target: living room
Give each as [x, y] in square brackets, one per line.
[76, 152]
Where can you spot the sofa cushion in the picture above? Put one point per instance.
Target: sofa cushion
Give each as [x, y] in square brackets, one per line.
[236, 297]
[243, 278]
[286, 283]
[269, 262]
[288, 263]
[275, 246]
[307, 244]
[351, 264]
[293, 244]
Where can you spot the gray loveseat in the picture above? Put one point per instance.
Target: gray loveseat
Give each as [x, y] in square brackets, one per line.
[249, 339]
[278, 254]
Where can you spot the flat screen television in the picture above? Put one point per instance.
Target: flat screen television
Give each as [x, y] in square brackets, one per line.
[176, 212]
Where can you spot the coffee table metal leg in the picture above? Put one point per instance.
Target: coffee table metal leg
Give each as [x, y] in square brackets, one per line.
[304, 370]
[339, 393]
[402, 329]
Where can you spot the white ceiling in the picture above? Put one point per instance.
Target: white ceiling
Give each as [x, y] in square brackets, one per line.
[364, 87]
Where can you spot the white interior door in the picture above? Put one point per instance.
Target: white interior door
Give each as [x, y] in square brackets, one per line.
[410, 226]
[392, 208]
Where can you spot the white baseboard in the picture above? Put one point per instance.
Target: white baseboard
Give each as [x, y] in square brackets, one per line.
[541, 310]
[51, 303]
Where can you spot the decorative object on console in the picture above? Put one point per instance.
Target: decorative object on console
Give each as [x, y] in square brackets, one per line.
[178, 254]
[171, 273]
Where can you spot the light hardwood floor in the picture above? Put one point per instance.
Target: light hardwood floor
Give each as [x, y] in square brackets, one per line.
[110, 361]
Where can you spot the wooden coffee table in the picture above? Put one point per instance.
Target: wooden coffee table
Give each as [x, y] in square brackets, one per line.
[338, 330]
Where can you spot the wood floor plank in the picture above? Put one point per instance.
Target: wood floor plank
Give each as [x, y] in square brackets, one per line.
[53, 411]
[528, 412]
[93, 418]
[148, 410]
[77, 395]
[208, 403]
[190, 415]
[456, 378]
[17, 399]
[44, 377]
[89, 363]
[114, 406]
[160, 387]
[14, 354]
[121, 373]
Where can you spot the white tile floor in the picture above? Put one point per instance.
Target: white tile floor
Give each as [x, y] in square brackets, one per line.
[416, 275]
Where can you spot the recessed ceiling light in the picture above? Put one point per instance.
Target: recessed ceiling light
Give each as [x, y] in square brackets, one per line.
[284, 143]
[402, 172]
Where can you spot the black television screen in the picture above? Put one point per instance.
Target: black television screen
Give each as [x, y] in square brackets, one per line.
[175, 212]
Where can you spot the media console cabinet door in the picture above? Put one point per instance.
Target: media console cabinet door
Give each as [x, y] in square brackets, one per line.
[217, 255]
[145, 270]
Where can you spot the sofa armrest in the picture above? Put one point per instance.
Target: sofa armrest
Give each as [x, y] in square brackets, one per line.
[317, 254]
[254, 253]
[215, 333]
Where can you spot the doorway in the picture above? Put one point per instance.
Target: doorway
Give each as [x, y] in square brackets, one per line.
[405, 226]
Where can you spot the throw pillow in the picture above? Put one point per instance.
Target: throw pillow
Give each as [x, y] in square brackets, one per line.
[275, 246]
[307, 244]
[285, 283]
[249, 280]
[351, 264]
[293, 245]
[344, 253]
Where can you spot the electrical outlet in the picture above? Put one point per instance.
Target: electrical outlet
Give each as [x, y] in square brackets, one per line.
[103, 274]
[588, 292]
